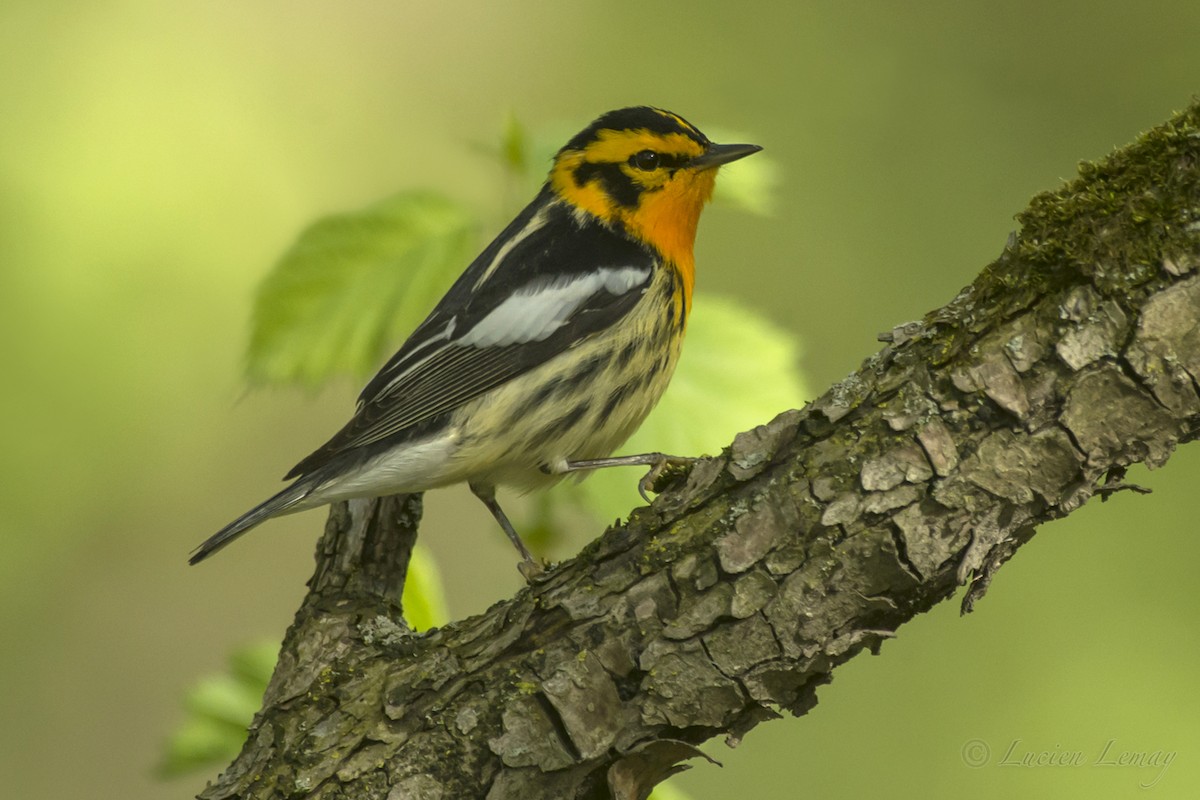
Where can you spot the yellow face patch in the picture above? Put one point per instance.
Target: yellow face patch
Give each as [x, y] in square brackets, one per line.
[605, 176]
[590, 196]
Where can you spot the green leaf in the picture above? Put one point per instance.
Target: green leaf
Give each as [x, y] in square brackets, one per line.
[667, 791]
[199, 744]
[220, 709]
[526, 157]
[424, 597]
[738, 370]
[354, 285]
[254, 663]
[748, 184]
[514, 146]
[229, 699]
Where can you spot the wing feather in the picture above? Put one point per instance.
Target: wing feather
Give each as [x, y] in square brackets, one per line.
[514, 308]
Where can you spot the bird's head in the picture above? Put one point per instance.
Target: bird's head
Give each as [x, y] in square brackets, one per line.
[645, 170]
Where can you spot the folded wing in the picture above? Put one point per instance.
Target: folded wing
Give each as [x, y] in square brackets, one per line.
[515, 308]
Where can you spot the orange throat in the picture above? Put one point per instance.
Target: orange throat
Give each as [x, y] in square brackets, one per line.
[667, 219]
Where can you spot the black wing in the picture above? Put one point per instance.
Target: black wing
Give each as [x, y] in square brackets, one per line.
[546, 283]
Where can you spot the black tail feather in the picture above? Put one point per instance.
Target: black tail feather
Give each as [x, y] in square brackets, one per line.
[276, 505]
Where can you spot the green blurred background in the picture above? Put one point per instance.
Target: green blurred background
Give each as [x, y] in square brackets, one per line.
[156, 158]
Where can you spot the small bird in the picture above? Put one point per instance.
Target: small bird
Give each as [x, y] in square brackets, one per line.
[550, 349]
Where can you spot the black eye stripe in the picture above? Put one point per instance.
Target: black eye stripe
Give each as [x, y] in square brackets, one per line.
[649, 160]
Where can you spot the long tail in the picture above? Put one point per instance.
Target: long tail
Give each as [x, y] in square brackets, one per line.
[276, 505]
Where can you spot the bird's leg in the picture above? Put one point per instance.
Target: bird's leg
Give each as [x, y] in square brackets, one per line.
[658, 463]
[529, 567]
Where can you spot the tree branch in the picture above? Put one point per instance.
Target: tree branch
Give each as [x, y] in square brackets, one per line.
[740, 589]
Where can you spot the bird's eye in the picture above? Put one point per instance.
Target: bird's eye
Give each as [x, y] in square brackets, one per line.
[646, 160]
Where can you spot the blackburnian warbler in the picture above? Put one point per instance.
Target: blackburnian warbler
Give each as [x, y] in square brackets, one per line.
[552, 347]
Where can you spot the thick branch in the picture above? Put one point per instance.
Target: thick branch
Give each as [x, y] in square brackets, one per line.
[738, 591]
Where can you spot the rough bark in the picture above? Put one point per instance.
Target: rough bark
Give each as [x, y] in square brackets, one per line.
[735, 594]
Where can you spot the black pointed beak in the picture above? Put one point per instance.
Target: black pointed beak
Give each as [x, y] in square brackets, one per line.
[718, 154]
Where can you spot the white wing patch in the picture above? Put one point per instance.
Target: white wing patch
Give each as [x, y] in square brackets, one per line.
[537, 310]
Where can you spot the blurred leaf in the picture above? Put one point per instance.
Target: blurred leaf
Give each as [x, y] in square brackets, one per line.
[749, 184]
[526, 157]
[738, 370]
[544, 145]
[199, 744]
[424, 596]
[354, 285]
[666, 791]
[255, 663]
[220, 708]
[226, 699]
[514, 146]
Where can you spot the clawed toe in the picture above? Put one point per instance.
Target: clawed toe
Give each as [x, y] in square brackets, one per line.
[661, 467]
[532, 571]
